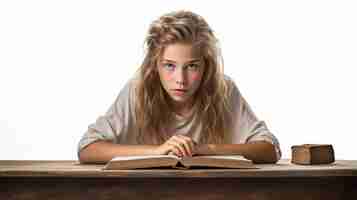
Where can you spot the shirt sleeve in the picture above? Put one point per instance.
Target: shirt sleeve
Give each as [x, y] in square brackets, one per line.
[248, 127]
[109, 126]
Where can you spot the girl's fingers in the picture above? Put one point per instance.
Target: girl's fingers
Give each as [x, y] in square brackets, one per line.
[177, 143]
[174, 149]
[184, 145]
[190, 142]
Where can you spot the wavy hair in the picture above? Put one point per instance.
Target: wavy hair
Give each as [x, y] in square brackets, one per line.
[153, 113]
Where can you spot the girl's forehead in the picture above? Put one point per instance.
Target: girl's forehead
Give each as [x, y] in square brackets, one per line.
[180, 51]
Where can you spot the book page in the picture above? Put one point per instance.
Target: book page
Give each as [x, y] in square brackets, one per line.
[232, 157]
[118, 158]
[223, 161]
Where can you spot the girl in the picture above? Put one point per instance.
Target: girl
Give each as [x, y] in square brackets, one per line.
[180, 102]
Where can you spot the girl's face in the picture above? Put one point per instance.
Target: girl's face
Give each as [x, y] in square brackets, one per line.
[180, 70]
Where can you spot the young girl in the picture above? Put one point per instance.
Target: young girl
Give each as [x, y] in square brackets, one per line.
[180, 102]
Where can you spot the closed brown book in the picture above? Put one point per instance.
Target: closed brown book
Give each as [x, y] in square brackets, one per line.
[311, 154]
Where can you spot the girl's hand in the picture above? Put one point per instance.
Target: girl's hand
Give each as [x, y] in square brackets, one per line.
[178, 145]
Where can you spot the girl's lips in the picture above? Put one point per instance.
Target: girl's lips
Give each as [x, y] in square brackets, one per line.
[179, 92]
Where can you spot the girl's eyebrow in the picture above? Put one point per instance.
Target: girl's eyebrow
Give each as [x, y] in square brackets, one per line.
[190, 61]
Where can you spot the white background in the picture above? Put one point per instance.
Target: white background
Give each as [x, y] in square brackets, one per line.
[62, 63]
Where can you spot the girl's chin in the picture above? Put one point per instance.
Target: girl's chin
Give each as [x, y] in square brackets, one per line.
[179, 99]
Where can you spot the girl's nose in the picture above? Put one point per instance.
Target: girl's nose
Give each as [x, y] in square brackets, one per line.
[180, 76]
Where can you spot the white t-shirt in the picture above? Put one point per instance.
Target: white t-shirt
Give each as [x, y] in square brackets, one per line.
[118, 123]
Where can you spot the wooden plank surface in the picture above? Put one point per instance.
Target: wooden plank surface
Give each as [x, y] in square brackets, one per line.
[69, 188]
[35, 168]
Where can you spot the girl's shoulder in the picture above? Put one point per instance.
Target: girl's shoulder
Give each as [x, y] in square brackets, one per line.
[233, 93]
[228, 80]
[231, 85]
[126, 96]
[130, 86]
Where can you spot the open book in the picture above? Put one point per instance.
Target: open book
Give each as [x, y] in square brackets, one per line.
[154, 161]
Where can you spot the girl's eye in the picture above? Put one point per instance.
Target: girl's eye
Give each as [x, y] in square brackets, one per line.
[169, 66]
[192, 67]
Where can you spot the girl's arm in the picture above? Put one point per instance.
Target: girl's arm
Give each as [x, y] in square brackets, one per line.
[257, 151]
[252, 138]
[103, 151]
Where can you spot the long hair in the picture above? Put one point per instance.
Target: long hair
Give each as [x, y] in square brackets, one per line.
[153, 113]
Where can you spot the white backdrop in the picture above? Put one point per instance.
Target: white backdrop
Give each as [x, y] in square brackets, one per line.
[62, 63]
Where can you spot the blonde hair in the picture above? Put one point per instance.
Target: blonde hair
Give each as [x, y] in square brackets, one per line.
[153, 113]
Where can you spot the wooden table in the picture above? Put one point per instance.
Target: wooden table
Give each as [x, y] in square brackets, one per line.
[70, 180]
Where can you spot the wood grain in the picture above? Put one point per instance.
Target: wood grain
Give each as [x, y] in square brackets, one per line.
[173, 188]
[27, 180]
[73, 169]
